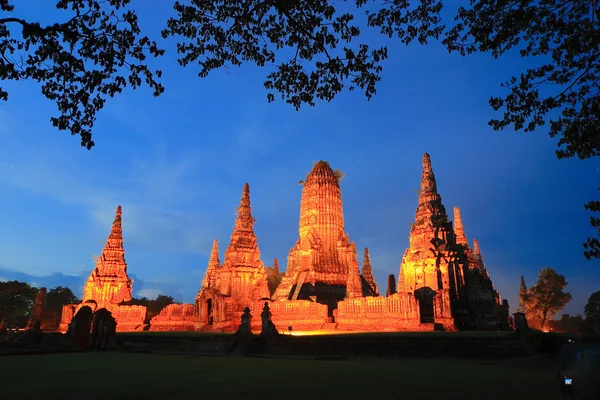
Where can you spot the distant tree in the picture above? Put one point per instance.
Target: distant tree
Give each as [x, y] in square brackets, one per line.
[568, 323]
[59, 296]
[154, 306]
[274, 277]
[547, 296]
[16, 300]
[161, 302]
[592, 308]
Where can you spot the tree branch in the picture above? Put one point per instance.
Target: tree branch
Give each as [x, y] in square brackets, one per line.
[12, 19]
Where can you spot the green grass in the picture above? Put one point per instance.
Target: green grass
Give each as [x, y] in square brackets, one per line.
[114, 375]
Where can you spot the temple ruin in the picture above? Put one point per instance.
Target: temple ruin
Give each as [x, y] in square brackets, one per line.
[442, 283]
[109, 286]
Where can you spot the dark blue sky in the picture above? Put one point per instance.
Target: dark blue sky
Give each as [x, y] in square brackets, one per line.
[177, 164]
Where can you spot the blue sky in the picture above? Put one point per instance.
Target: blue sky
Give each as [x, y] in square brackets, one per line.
[177, 165]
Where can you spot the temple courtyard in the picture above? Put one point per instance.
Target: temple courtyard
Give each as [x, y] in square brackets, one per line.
[120, 375]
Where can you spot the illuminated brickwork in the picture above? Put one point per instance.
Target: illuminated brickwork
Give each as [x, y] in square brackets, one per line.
[323, 264]
[109, 286]
[241, 279]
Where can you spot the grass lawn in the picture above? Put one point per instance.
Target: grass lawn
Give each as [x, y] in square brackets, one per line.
[115, 375]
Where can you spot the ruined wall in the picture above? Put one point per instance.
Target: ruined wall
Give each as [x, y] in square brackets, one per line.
[174, 317]
[50, 320]
[301, 315]
[398, 312]
[129, 318]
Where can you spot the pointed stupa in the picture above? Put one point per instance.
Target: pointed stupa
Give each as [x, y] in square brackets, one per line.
[112, 260]
[213, 265]
[459, 229]
[108, 283]
[275, 265]
[479, 258]
[476, 248]
[367, 271]
[244, 221]
[243, 247]
[522, 291]
[429, 230]
[431, 213]
[428, 183]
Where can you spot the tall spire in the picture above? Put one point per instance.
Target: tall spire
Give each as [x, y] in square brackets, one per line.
[244, 221]
[367, 271]
[476, 250]
[459, 229]
[522, 291]
[213, 264]
[112, 260]
[276, 265]
[428, 184]
[108, 283]
[431, 213]
[243, 247]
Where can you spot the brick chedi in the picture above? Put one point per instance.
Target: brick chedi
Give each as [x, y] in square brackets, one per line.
[430, 267]
[323, 265]
[522, 291]
[239, 282]
[213, 266]
[477, 294]
[109, 286]
[367, 275]
[109, 283]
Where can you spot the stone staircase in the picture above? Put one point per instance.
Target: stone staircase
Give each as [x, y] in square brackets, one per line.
[299, 284]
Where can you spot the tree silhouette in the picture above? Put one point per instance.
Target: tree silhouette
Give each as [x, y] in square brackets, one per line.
[80, 63]
[592, 308]
[312, 50]
[16, 300]
[59, 296]
[547, 296]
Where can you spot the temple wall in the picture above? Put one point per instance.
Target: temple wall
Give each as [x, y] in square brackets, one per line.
[174, 317]
[398, 312]
[49, 321]
[301, 315]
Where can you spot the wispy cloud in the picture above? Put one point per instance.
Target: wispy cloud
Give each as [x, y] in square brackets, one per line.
[148, 191]
[74, 282]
